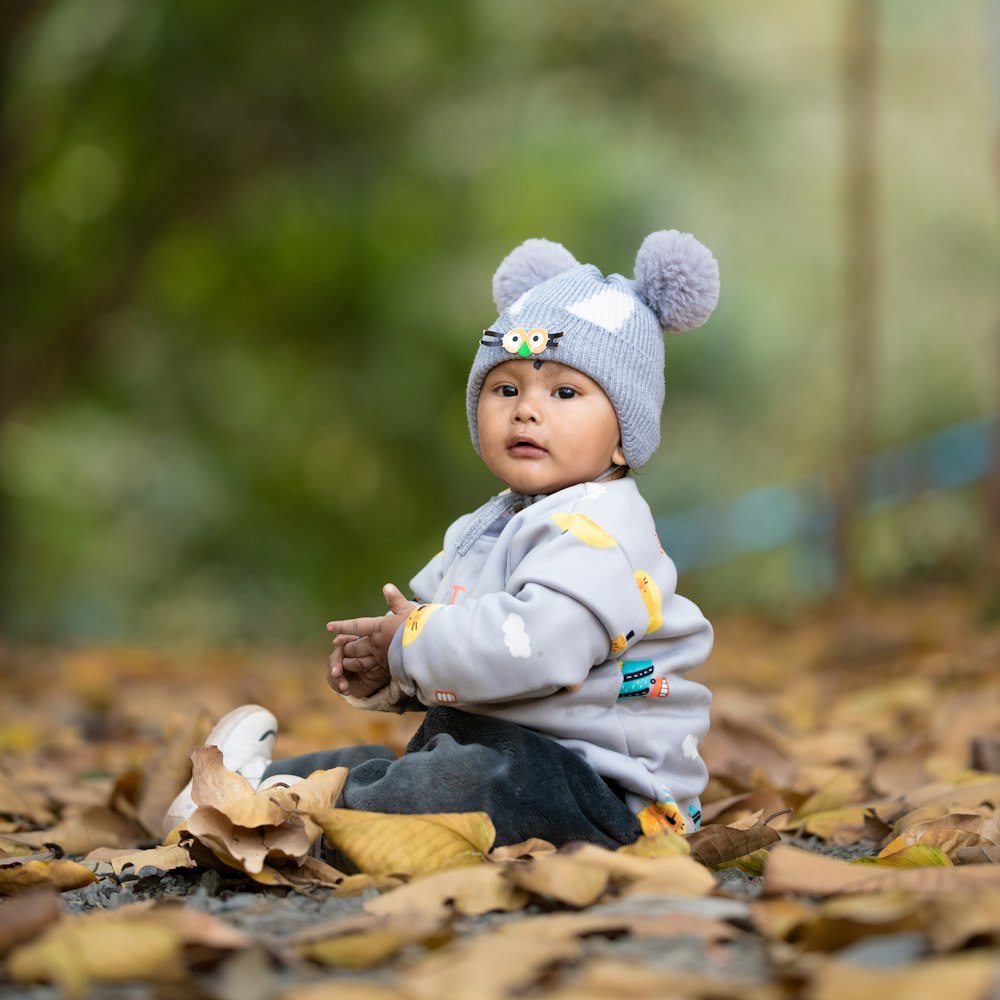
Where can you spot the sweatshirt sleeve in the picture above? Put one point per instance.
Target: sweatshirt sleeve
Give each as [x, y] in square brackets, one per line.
[571, 593]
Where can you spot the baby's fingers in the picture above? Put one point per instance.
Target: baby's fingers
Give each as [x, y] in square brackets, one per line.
[354, 626]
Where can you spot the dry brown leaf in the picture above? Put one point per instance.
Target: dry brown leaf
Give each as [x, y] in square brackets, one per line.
[736, 808]
[847, 825]
[169, 767]
[527, 848]
[469, 890]
[983, 854]
[101, 947]
[410, 844]
[778, 918]
[844, 920]
[714, 845]
[249, 829]
[247, 849]
[23, 918]
[341, 990]
[212, 783]
[963, 917]
[362, 950]
[604, 978]
[901, 771]
[562, 877]
[680, 876]
[791, 870]
[958, 977]
[20, 876]
[970, 789]
[98, 826]
[25, 803]
[194, 927]
[844, 788]
[490, 966]
[165, 858]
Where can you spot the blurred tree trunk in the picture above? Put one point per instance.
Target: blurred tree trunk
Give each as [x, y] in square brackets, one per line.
[993, 476]
[860, 277]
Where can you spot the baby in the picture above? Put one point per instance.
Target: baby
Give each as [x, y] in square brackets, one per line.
[546, 642]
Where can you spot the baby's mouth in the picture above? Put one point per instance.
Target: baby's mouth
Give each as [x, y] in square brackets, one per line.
[525, 448]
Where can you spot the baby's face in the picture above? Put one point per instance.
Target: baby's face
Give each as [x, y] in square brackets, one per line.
[543, 429]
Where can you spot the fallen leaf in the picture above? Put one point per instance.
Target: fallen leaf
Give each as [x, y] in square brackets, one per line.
[962, 918]
[959, 977]
[98, 826]
[468, 890]
[714, 845]
[168, 769]
[792, 870]
[18, 877]
[100, 947]
[914, 856]
[660, 844]
[528, 848]
[562, 877]
[22, 918]
[490, 966]
[165, 858]
[410, 844]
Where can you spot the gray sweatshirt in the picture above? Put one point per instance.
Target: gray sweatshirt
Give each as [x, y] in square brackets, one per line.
[563, 618]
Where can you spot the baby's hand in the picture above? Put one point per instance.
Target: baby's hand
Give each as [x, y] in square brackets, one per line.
[359, 665]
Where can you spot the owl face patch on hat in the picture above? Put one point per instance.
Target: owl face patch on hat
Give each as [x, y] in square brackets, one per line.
[610, 328]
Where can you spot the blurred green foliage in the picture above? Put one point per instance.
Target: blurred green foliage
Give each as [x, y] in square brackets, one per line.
[246, 250]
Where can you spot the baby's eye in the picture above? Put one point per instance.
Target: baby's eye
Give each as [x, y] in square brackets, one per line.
[505, 390]
[565, 392]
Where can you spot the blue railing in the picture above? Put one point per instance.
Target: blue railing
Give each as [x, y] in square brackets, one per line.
[772, 516]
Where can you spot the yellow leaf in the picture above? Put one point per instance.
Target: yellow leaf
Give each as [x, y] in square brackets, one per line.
[23, 877]
[361, 950]
[99, 948]
[661, 844]
[958, 977]
[561, 877]
[752, 863]
[409, 844]
[915, 856]
[469, 891]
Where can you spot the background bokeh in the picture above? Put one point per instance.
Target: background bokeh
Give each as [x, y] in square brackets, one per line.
[246, 251]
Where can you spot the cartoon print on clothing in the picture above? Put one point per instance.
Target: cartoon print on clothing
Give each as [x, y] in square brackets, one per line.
[637, 681]
[652, 598]
[665, 814]
[515, 638]
[695, 813]
[445, 697]
[589, 532]
[417, 620]
[690, 747]
[620, 642]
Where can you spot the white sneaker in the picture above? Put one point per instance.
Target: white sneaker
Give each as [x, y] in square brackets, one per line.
[246, 738]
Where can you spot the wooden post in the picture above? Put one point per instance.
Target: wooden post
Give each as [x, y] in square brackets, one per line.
[860, 274]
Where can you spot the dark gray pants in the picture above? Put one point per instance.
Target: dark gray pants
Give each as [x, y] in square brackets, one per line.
[530, 786]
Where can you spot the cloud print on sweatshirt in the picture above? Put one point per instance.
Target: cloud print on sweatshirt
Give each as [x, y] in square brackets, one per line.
[515, 638]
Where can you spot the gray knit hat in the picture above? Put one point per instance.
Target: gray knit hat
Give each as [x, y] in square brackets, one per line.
[554, 309]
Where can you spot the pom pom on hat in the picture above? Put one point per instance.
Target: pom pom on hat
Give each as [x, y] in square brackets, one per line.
[526, 266]
[678, 278]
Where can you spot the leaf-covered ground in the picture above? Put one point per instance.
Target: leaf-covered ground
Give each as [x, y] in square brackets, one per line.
[851, 840]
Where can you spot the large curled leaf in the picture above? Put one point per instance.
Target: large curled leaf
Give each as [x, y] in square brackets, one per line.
[414, 844]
